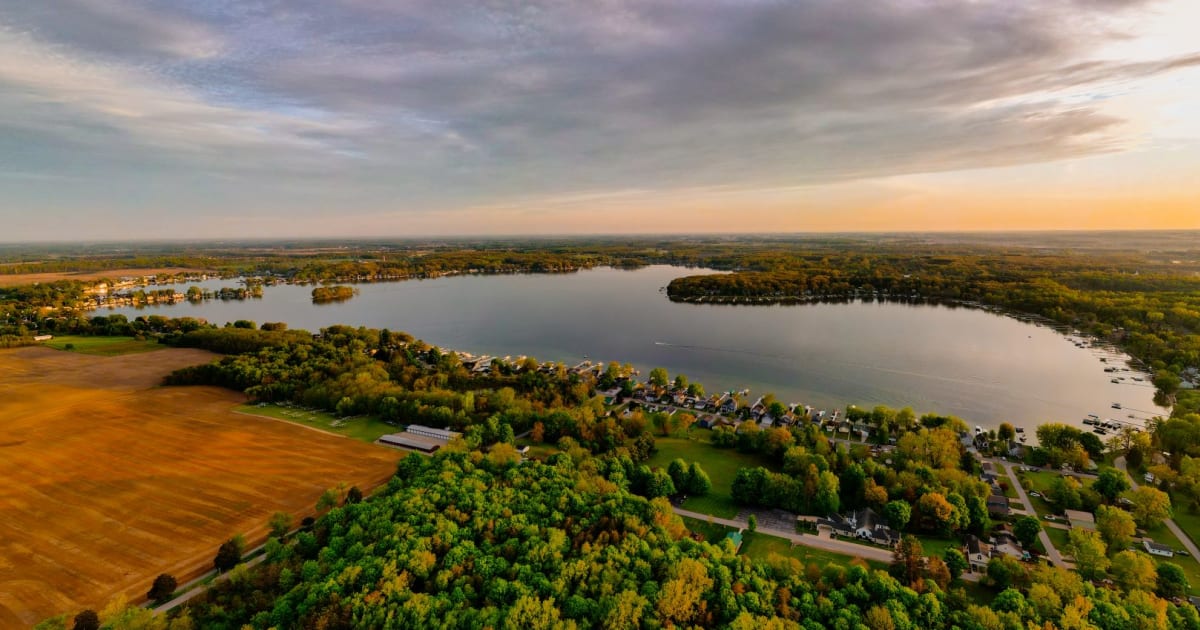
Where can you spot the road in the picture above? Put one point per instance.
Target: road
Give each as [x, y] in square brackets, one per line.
[808, 540]
[1184, 539]
[1055, 557]
[199, 585]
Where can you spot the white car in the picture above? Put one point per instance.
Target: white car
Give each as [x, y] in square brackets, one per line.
[1034, 493]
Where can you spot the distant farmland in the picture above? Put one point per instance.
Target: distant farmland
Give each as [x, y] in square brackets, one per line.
[109, 480]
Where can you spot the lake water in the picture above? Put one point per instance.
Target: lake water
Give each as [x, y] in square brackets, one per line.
[980, 366]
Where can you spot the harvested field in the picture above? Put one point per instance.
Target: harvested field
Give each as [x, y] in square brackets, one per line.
[18, 279]
[110, 479]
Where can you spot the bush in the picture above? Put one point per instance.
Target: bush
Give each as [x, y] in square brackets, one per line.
[164, 586]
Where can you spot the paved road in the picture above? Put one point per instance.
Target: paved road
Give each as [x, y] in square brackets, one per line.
[808, 540]
[1052, 553]
[201, 586]
[1184, 539]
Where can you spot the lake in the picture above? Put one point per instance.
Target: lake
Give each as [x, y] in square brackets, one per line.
[980, 366]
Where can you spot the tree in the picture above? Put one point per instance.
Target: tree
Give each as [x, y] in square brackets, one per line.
[752, 523]
[1151, 506]
[87, 620]
[1171, 581]
[1116, 526]
[1090, 553]
[162, 589]
[280, 524]
[658, 377]
[936, 570]
[678, 471]
[353, 495]
[1026, 530]
[1110, 483]
[1134, 570]
[937, 513]
[898, 514]
[908, 561]
[1064, 493]
[826, 500]
[956, 562]
[1004, 572]
[229, 554]
[681, 381]
[1006, 432]
[328, 500]
[698, 483]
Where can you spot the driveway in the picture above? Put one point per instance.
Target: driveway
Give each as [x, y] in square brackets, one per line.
[1184, 539]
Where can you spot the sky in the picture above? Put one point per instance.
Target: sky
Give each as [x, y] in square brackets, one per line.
[328, 118]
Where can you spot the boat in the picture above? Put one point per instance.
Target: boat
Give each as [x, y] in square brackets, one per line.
[1093, 416]
[1116, 380]
[1020, 429]
[978, 429]
[1022, 438]
[1100, 431]
[1089, 421]
[1116, 405]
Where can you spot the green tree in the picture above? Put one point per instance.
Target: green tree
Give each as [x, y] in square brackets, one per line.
[353, 495]
[698, 483]
[1171, 580]
[1005, 572]
[1110, 483]
[1115, 526]
[752, 523]
[898, 514]
[1134, 570]
[1027, 529]
[956, 562]
[1064, 493]
[1151, 506]
[162, 589]
[280, 524]
[658, 377]
[1090, 553]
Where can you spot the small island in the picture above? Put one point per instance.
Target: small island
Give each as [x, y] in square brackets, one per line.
[338, 293]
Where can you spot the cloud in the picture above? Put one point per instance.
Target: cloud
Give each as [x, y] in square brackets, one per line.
[435, 104]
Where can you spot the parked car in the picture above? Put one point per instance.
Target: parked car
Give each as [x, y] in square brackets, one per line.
[1051, 517]
[1034, 493]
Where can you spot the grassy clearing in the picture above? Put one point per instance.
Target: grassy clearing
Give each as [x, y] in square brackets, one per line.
[936, 547]
[1187, 519]
[758, 546]
[720, 464]
[1058, 537]
[363, 428]
[103, 346]
[1190, 566]
[712, 532]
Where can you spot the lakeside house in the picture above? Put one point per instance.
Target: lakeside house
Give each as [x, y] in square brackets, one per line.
[997, 505]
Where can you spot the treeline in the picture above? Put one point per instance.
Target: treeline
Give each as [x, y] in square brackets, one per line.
[355, 371]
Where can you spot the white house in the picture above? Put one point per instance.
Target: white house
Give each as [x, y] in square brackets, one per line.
[1157, 549]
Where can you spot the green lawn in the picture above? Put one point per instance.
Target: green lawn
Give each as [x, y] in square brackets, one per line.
[1040, 481]
[721, 464]
[1058, 537]
[1184, 517]
[712, 532]
[363, 428]
[103, 346]
[936, 547]
[757, 546]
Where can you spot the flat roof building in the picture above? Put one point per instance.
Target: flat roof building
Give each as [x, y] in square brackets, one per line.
[437, 434]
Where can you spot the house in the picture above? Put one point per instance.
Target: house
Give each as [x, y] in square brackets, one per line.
[978, 553]
[415, 442]
[997, 505]
[43, 337]
[989, 472]
[736, 538]
[1084, 520]
[864, 524]
[1005, 544]
[1157, 549]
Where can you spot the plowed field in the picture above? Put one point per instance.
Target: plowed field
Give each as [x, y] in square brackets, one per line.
[108, 479]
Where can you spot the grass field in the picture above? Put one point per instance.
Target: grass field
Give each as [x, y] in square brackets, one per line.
[103, 346]
[721, 464]
[1190, 566]
[712, 532]
[363, 428]
[1184, 517]
[758, 546]
[1058, 537]
[110, 479]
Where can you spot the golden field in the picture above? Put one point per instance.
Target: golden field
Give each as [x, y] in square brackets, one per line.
[110, 479]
